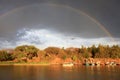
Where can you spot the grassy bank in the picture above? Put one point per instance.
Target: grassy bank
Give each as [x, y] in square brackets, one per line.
[23, 63]
[56, 61]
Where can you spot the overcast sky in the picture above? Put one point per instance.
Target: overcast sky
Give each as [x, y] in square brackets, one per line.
[62, 21]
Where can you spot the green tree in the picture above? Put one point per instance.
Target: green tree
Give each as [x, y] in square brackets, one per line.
[103, 52]
[29, 50]
[94, 50]
[18, 55]
[115, 51]
[74, 58]
[85, 53]
[4, 56]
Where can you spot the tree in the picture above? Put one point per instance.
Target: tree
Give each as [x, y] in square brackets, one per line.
[4, 56]
[29, 50]
[52, 50]
[41, 54]
[103, 51]
[85, 53]
[115, 51]
[62, 54]
[94, 50]
[18, 55]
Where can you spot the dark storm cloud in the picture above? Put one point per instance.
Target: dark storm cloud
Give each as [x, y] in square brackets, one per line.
[36, 23]
[106, 12]
[58, 18]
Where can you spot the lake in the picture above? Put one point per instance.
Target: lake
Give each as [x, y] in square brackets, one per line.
[56, 72]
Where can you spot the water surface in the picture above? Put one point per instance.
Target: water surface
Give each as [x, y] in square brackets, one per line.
[55, 72]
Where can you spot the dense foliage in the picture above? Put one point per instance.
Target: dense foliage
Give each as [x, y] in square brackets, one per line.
[4, 56]
[52, 50]
[29, 51]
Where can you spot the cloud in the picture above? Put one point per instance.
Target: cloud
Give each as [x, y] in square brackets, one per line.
[43, 38]
[5, 44]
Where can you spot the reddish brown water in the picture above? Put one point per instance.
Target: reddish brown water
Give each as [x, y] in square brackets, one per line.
[59, 73]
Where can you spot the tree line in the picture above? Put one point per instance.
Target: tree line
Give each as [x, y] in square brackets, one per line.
[30, 51]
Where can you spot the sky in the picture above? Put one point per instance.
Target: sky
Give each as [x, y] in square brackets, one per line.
[61, 23]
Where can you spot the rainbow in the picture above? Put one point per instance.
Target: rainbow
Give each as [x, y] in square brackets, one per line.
[67, 7]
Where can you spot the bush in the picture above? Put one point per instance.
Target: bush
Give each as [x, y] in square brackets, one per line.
[86, 55]
[52, 50]
[30, 51]
[4, 56]
[115, 52]
[74, 58]
[18, 55]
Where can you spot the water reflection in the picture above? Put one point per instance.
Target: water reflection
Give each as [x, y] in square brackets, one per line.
[58, 72]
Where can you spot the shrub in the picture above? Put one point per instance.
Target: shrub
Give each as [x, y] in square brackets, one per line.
[30, 51]
[52, 50]
[4, 56]
[74, 58]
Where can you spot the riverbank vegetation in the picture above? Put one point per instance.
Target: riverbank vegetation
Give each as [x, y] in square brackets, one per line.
[31, 54]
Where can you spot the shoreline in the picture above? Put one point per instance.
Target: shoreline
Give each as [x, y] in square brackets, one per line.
[49, 64]
[19, 64]
[22, 64]
[57, 61]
